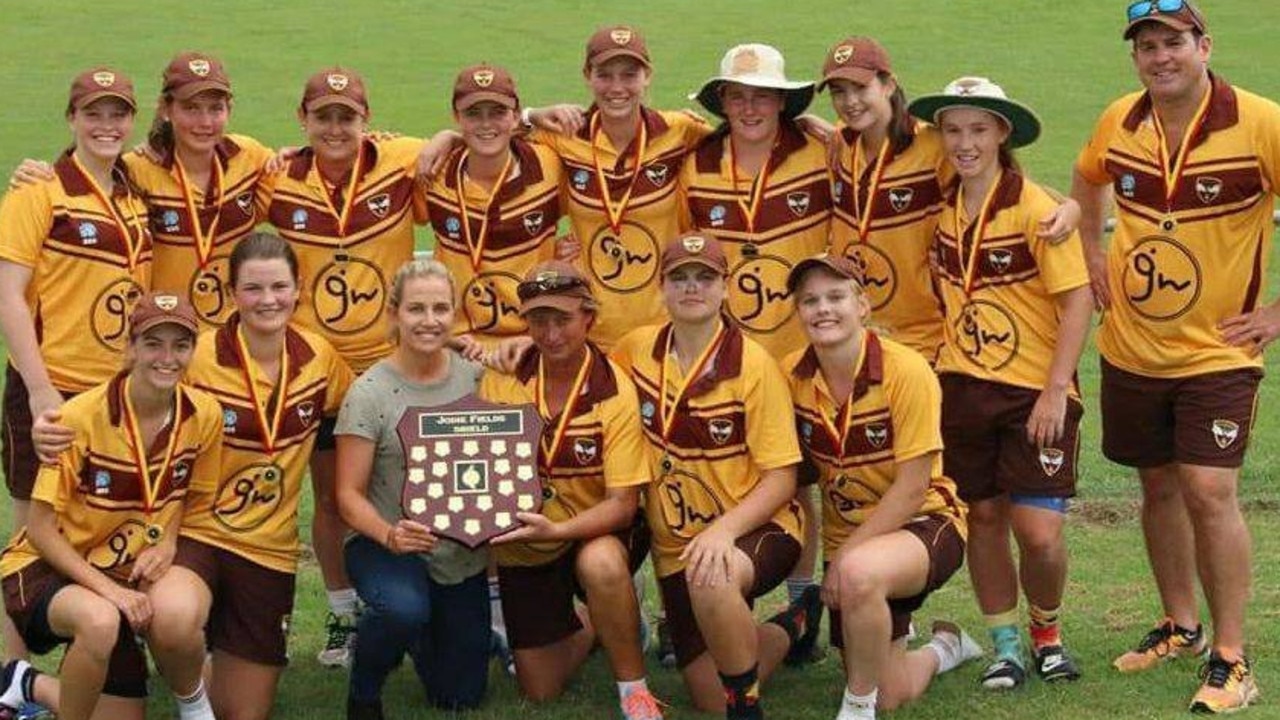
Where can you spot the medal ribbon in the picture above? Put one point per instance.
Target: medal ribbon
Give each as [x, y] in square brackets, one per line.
[1173, 175]
[349, 197]
[758, 187]
[667, 413]
[475, 247]
[614, 213]
[270, 431]
[566, 413]
[204, 240]
[971, 264]
[133, 245]
[839, 436]
[864, 214]
[150, 484]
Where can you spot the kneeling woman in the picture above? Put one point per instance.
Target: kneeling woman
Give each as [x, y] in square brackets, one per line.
[424, 596]
[104, 526]
[725, 528]
[588, 539]
[893, 528]
[1016, 315]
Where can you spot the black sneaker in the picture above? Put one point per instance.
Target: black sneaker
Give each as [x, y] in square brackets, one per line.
[1005, 673]
[666, 650]
[1053, 664]
[802, 619]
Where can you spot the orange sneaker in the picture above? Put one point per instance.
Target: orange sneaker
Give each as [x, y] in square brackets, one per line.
[1228, 686]
[1165, 642]
[641, 705]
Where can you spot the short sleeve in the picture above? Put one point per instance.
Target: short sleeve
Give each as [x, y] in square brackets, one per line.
[1091, 162]
[26, 217]
[771, 432]
[915, 406]
[360, 414]
[626, 460]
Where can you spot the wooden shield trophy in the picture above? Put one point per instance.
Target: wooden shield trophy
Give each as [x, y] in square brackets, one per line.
[471, 466]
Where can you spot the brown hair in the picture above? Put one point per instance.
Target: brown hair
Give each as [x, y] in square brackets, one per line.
[901, 124]
[160, 135]
[261, 246]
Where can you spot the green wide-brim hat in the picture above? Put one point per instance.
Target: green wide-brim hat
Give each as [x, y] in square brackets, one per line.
[982, 94]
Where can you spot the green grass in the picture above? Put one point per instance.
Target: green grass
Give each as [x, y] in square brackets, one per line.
[1065, 59]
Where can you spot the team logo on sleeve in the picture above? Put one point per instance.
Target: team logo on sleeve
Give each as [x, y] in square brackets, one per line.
[1161, 278]
[877, 434]
[452, 225]
[657, 174]
[717, 215]
[379, 205]
[104, 79]
[878, 276]
[625, 261]
[102, 483]
[580, 179]
[900, 198]
[1225, 433]
[1208, 189]
[1052, 460]
[306, 412]
[1000, 259]
[720, 429]
[88, 233]
[533, 222]
[198, 67]
[229, 421]
[584, 450]
[1128, 185]
[837, 190]
[798, 202]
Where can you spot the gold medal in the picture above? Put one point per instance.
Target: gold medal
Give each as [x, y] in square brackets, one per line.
[154, 534]
[749, 250]
[1168, 224]
[667, 464]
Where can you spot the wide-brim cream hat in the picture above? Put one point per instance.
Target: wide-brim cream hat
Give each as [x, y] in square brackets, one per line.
[756, 65]
[982, 94]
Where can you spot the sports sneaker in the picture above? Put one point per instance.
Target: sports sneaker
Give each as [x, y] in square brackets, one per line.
[1006, 673]
[1165, 642]
[1053, 664]
[641, 705]
[666, 651]
[340, 632]
[15, 685]
[33, 711]
[953, 645]
[802, 620]
[1227, 686]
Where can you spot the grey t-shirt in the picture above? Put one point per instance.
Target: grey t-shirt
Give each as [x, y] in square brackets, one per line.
[372, 409]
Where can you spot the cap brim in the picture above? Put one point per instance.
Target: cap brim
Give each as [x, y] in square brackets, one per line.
[1180, 25]
[607, 55]
[156, 322]
[860, 75]
[326, 100]
[476, 98]
[96, 96]
[799, 270]
[798, 94]
[1024, 126]
[694, 260]
[555, 301]
[191, 90]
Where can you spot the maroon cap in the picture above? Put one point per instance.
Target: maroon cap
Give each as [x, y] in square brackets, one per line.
[616, 41]
[192, 73]
[97, 83]
[859, 59]
[1186, 17]
[335, 86]
[484, 83]
[694, 247]
[838, 265]
[553, 284]
[158, 308]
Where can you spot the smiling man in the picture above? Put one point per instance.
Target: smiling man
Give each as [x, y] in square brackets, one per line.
[1193, 162]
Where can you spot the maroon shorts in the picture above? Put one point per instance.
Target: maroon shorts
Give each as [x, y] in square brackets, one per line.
[984, 431]
[1199, 420]
[252, 604]
[27, 594]
[945, 546]
[773, 553]
[538, 600]
[20, 461]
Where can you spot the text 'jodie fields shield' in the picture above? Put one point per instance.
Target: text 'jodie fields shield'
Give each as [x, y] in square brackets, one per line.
[471, 466]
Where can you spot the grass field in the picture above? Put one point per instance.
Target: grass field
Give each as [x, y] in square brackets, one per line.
[1065, 59]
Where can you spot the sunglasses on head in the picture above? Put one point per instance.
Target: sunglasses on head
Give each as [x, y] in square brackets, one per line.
[530, 289]
[1143, 8]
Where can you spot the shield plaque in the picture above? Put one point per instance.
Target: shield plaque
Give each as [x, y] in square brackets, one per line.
[471, 466]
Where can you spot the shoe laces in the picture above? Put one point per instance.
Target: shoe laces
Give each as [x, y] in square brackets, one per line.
[1157, 637]
[338, 630]
[1217, 672]
[641, 705]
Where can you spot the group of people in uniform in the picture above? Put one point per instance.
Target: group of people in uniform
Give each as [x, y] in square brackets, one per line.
[886, 314]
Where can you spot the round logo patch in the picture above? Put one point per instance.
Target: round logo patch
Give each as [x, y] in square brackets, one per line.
[1161, 278]
[987, 335]
[348, 297]
[488, 299]
[248, 499]
[109, 314]
[758, 297]
[626, 261]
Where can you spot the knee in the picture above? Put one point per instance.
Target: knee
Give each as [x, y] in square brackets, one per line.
[398, 605]
[602, 564]
[1040, 542]
[1159, 488]
[859, 587]
[175, 619]
[1210, 499]
[97, 628]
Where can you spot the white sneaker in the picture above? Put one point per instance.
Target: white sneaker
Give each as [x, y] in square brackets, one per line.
[953, 645]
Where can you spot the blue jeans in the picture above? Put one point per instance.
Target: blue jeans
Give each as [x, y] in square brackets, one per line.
[444, 628]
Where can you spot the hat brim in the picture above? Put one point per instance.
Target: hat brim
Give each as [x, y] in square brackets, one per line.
[607, 55]
[1024, 126]
[476, 98]
[94, 97]
[1177, 24]
[325, 101]
[802, 268]
[702, 260]
[566, 303]
[155, 322]
[860, 75]
[797, 94]
[190, 90]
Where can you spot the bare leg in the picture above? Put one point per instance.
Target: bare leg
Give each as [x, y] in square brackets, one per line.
[1170, 540]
